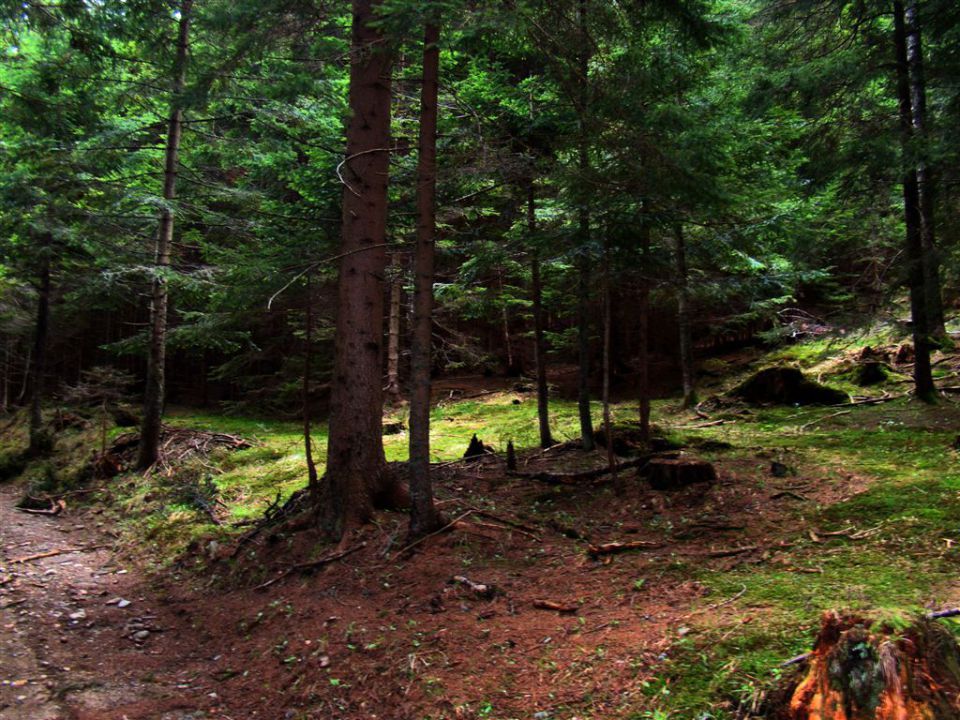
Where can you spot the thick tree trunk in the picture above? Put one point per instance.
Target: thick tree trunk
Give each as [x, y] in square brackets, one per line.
[423, 515]
[39, 440]
[925, 185]
[393, 332]
[922, 374]
[643, 311]
[584, 270]
[687, 369]
[539, 342]
[355, 460]
[155, 390]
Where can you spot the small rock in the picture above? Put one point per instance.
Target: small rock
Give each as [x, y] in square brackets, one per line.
[123, 603]
[78, 615]
[141, 635]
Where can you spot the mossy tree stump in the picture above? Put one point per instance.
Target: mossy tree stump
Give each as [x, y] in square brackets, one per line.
[861, 670]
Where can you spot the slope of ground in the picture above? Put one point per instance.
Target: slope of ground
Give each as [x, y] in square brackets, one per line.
[855, 508]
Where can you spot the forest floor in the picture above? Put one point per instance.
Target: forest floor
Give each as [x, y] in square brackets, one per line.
[815, 509]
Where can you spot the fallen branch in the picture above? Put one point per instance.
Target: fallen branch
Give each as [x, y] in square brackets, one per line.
[39, 556]
[487, 591]
[698, 426]
[580, 477]
[13, 603]
[615, 548]
[732, 551]
[516, 525]
[55, 509]
[790, 494]
[312, 565]
[565, 608]
[820, 420]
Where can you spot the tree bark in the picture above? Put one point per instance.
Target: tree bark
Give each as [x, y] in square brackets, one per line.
[607, 361]
[393, 332]
[539, 342]
[643, 311]
[355, 460]
[922, 373]
[925, 184]
[505, 319]
[39, 440]
[155, 390]
[687, 369]
[584, 269]
[424, 518]
[313, 481]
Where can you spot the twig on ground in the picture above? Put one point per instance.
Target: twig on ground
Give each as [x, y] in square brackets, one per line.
[821, 419]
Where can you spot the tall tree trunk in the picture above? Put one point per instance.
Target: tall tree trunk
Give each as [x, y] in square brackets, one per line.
[583, 269]
[922, 374]
[687, 369]
[393, 332]
[607, 366]
[5, 385]
[423, 515]
[313, 481]
[39, 440]
[355, 460]
[539, 342]
[155, 390]
[505, 319]
[925, 184]
[643, 311]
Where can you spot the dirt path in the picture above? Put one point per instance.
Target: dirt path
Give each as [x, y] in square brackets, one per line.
[82, 636]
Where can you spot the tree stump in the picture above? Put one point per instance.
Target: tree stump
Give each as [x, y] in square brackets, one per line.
[861, 670]
[871, 372]
[676, 474]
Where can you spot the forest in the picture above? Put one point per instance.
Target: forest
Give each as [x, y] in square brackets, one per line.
[550, 359]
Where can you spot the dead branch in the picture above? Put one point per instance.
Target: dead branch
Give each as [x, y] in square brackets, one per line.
[821, 419]
[615, 548]
[487, 591]
[55, 509]
[790, 494]
[580, 477]
[39, 556]
[565, 608]
[729, 552]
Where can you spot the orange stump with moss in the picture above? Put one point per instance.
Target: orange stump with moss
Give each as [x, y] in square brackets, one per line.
[861, 670]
